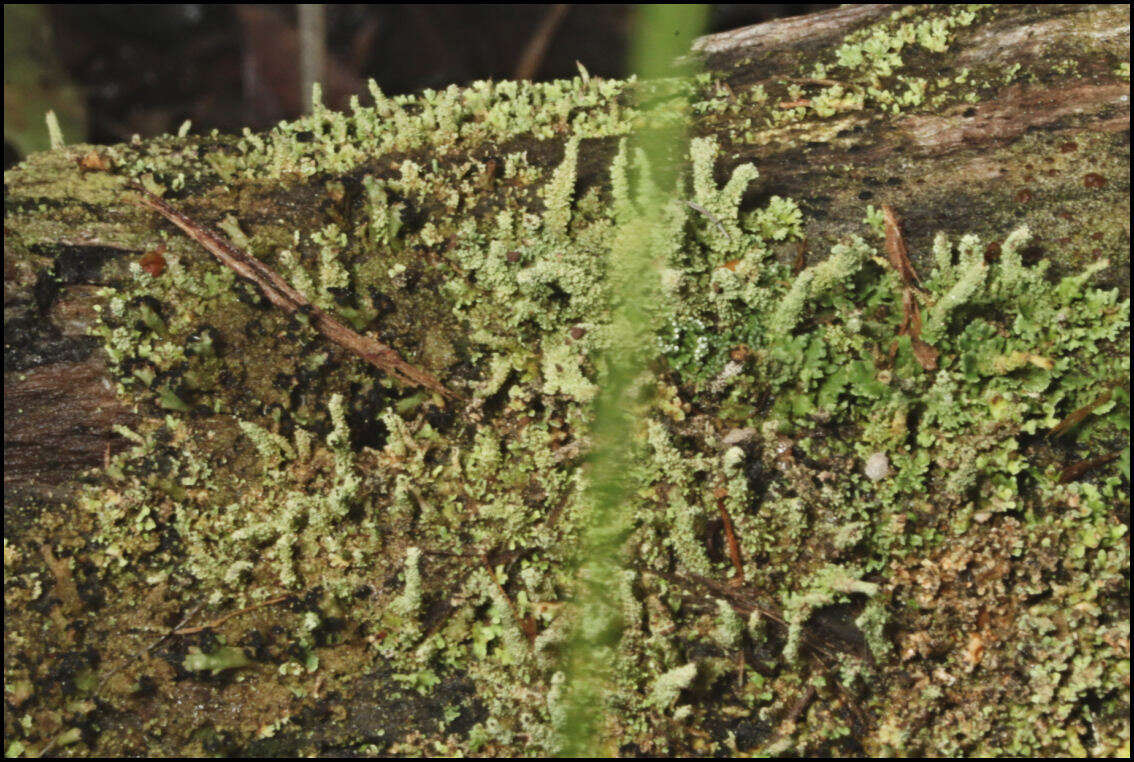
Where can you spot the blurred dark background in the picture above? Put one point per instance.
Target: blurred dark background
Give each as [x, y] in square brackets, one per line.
[113, 71]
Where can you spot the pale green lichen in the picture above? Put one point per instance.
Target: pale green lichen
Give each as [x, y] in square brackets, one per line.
[971, 278]
[730, 627]
[271, 446]
[560, 189]
[828, 585]
[821, 359]
[226, 657]
[722, 205]
[779, 221]
[816, 280]
[408, 604]
[668, 687]
[562, 373]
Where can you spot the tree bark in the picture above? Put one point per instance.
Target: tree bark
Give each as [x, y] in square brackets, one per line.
[1044, 143]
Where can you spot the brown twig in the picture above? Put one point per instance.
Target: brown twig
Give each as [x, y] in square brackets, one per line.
[526, 625]
[536, 49]
[925, 353]
[288, 299]
[744, 604]
[730, 536]
[814, 81]
[1074, 471]
[1078, 416]
[787, 725]
[218, 622]
[896, 247]
[800, 257]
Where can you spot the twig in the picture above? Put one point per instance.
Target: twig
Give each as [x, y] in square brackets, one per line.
[526, 625]
[730, 536]
[814, 81]
[745, 604]
[1073, 472]
[536, 49]
[218, 622]
[801, 704]
[281, 294]
[1080, 415]
[925, 353]
[787, 725]
[800, 258]
[896, 247]
[711, 216]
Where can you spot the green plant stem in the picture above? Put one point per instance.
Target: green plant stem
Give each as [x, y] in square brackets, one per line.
[664, 32]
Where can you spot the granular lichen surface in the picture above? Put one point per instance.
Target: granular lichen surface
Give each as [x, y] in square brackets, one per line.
[839, 543]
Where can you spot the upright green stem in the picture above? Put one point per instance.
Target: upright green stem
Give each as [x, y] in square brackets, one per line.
[664, 33]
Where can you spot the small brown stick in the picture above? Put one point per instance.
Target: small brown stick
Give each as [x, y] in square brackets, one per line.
[746, 604]
[925, 353]
[281, 294]
[801, 704]
[536, 49]
[526, 625]
[743, 603]
[896, 247]
[218, 622]
[814, 81]
[1074, 471]
[787, 725]
[1078, 416]
[800, 258]
[730, 536]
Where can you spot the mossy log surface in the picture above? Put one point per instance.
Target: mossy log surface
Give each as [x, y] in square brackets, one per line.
[224, 534]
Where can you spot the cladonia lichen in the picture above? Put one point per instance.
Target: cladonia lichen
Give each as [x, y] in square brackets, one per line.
[813, 508]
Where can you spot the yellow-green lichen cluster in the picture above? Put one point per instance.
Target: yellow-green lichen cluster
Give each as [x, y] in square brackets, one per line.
[910, 548]
[481, 515]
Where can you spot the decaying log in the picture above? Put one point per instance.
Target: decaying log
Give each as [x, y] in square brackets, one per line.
[1046, 144]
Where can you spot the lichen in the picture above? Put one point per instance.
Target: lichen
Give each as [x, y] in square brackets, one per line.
[1011, 344]
[432, 543]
